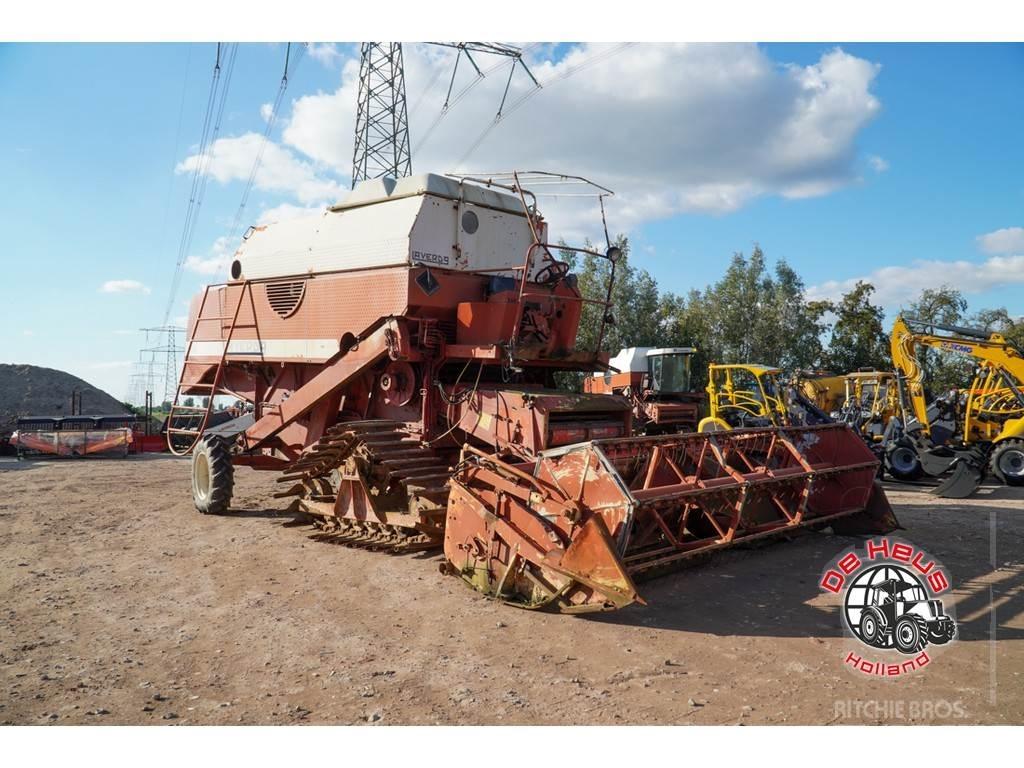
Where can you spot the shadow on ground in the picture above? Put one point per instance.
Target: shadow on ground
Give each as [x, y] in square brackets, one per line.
[768, 591]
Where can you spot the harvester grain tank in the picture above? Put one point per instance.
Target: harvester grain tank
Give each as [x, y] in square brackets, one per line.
[396, 355]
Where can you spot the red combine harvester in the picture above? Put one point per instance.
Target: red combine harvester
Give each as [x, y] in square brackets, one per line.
[657, 384]
[397, 356]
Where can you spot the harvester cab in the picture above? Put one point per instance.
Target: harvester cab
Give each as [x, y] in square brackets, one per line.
[899, 613]
[658, 383]
[397, 357]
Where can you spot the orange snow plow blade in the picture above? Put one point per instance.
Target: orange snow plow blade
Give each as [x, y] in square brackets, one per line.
[572, 530]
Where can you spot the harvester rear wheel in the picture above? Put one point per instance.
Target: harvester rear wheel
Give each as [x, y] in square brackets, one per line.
[213, 476]
[1007, 462]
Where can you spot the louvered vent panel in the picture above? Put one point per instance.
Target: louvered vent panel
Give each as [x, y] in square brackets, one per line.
[285, 297]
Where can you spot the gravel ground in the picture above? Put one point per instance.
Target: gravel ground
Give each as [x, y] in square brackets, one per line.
[121, 605]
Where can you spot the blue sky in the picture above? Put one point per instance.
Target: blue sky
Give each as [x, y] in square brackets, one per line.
[924, 159]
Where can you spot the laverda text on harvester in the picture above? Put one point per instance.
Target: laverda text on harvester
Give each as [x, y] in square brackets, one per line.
[394, 360]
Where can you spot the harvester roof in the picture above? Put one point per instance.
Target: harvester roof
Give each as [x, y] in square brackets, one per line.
[374, 191]
[427, 220]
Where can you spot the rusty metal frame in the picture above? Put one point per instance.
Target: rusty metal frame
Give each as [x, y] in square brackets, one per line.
[661, 500]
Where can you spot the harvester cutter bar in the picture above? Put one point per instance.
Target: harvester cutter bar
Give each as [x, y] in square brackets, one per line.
[598, 513]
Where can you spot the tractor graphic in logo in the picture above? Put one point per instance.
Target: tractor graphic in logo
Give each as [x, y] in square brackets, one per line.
[888, 607]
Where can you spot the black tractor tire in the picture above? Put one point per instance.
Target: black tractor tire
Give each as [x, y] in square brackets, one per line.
[902, 463]
[870, 629]
[213, 476]
[941, 637]
[910, 634]
[1007, 462]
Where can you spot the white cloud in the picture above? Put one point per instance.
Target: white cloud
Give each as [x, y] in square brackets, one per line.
[216, 262]
[124, 286]
[28, 332]
[672, 128]
[231, 159]
[896, 285]
[266, 110]
[1007, 240]
[878, 164]
[125, 332]
[322, 125]
[325, 53]
[287, 211]
[110, 365]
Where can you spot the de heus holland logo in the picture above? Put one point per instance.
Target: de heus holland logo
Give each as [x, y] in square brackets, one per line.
[891, 606]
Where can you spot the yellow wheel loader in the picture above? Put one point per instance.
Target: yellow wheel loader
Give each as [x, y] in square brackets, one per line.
[744, 395]
[985, 423]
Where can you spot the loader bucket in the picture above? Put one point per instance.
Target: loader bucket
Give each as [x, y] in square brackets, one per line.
[573, 530]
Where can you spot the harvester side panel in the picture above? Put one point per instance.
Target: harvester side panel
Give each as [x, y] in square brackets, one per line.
[302, 319]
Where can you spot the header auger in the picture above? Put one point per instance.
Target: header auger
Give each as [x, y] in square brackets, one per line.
[394, 357]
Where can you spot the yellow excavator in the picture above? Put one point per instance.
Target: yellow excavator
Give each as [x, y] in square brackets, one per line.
[825, 389]
[971, 432]
[744, 395]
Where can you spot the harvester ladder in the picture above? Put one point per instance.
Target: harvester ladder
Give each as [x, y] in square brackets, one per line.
[196, 418]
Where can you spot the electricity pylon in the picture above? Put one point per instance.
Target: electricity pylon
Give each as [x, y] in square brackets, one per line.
[382, 119]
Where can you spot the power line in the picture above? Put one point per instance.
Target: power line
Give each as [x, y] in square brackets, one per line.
[177, 144]
[522, 99]
[505, 51]
[290, 66]
[211, 128]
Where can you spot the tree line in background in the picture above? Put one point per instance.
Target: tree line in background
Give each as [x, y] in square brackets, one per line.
[755, 314]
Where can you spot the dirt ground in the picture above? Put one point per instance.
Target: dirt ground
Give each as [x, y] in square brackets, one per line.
[122, 605]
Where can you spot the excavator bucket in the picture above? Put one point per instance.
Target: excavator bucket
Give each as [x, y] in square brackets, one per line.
[573, 530]
[968, 472]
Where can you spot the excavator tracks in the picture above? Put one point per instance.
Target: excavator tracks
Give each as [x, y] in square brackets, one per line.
[372, 485]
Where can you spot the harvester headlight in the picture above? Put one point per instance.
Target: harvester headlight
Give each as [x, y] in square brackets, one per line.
[236, 269]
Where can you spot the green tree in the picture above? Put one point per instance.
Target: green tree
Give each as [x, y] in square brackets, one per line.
[633, 318]
[858, 338]
[751, 316]
[942, 370]
[999, 321]
[790, 327]
[685, 322]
